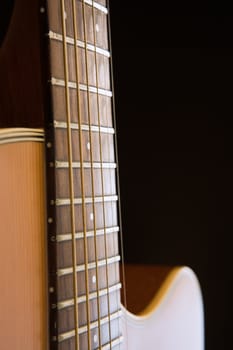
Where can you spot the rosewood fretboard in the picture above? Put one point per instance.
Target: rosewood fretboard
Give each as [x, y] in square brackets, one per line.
[83, 228]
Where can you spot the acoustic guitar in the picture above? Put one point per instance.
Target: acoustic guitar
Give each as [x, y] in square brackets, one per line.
[60, 283]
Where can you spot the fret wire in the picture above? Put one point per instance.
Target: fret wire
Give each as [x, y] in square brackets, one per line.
[93, 325]
[82, 169]
[90, 266]
[91, 158]
[86, 165]
[93, 295]
[93, 89]
[84, 127]
[71, 182]
[86, 200]
[113, 343]
[101, 160]
[97, 6]
[89, 234]
[58, 37]
[87, 88]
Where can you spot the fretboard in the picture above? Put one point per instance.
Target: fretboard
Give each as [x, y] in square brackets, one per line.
[83, 230]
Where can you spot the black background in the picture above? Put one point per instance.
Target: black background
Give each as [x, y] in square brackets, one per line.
[173, 80]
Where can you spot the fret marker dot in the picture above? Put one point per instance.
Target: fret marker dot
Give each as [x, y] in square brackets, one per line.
[95, 338]
[88, 146]
[91, 216]
[94, 279]
[50, 220]
[42, 10]
[97, 28]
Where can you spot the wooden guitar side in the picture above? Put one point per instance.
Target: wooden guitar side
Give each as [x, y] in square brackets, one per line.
[23, 302]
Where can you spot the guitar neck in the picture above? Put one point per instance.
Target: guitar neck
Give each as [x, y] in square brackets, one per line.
[72, 99]
[83, 207]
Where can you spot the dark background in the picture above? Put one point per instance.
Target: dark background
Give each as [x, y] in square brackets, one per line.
[173, 80]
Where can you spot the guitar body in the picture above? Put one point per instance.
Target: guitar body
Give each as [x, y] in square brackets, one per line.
[59, 250]
[172, 320]
[23, 315]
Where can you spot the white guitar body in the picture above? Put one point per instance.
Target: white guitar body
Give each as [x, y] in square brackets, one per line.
[173, 321]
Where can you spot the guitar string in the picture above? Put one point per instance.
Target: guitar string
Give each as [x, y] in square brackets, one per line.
[116, 208]
[124, 295]
[92, 170]
[82, 172]
[71, 184]
[116, 243]
[71, 180]
[102, 178]
[83, 177]
[71, 188]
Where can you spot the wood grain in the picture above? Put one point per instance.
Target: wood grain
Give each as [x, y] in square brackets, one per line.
[23, 289]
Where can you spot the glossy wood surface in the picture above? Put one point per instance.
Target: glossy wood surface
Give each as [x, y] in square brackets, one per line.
[23, 287]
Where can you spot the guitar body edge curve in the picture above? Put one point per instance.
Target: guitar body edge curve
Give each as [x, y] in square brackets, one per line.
[173, 320]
